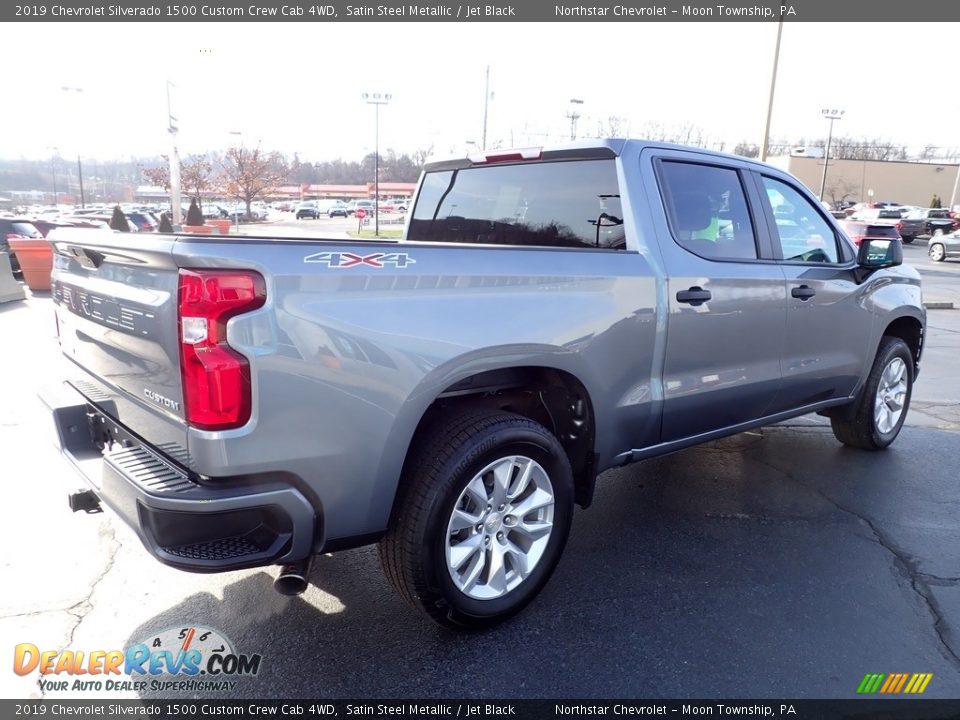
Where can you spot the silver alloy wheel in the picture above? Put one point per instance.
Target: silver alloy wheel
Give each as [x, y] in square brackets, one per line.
[891, 396]
[500, 527]
[936, 252]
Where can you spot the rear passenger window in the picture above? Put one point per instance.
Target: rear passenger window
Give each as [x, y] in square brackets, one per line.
[707, 210]
[803, 234]
[560, 204]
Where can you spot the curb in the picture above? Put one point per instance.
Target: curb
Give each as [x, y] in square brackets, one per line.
[939, 305]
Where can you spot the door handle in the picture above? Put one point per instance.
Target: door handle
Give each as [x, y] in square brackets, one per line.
[694, 296]
[804, 292]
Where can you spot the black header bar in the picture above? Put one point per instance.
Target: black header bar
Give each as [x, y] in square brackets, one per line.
[901, 709]
[338, 11]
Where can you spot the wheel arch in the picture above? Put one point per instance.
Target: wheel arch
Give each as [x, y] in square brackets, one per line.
[910, 329]
[555, 397]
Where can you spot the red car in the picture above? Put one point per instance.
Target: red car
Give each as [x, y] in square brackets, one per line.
[858, 231]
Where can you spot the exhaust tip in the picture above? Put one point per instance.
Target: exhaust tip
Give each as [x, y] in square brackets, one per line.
[293, 579]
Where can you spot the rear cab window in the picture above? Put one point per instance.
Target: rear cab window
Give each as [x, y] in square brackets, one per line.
[707, 210]
[570, 203]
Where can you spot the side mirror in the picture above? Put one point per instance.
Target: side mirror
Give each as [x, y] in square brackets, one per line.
[875, 254]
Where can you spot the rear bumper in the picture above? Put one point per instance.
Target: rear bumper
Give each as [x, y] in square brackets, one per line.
[200, 528]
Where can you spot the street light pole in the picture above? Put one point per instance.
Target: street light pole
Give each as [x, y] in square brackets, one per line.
[956, 182]
[236, 213]
[765, 145]
[573, 116]
[53, 171]
[831, 115]
[172, 128]
[486, 104]
[68, 89]
[376, 99]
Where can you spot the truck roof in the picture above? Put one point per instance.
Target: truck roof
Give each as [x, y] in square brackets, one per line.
[598, 148]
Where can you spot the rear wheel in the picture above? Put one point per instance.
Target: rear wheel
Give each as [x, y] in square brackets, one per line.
[482, 519]
[906, 240]
[882, 405]
[937, 252]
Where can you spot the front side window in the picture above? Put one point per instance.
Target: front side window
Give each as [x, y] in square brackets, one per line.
[551, 204]
[803, 234]
[708, 212]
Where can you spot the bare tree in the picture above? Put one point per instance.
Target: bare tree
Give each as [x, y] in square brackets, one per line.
[840, 189]
[247, 173]
[159, 176]
[197, 176]
[613, 127]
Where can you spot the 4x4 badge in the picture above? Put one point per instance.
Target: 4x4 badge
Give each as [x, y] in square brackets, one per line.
[348, 260]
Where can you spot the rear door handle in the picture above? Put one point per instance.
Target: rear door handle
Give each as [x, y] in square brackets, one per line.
[695, 296]
[804, 292]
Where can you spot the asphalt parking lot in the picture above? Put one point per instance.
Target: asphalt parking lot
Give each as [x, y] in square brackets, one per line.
[775, 563]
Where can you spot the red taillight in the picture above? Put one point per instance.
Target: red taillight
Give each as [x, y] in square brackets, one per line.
[899, 227]
[216, 379]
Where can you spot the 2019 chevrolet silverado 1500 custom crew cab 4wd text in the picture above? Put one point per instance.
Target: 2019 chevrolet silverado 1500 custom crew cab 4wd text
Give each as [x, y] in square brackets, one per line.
[549, 314]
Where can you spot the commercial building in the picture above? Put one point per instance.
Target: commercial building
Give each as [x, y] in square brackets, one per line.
[905, 182]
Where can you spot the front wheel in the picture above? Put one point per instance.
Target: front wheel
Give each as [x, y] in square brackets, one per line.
[482, 519]
[937, 252]
[882, 405]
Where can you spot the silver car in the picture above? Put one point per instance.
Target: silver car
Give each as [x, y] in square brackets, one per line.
[943, 247]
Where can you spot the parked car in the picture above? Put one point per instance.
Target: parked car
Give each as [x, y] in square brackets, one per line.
[944, 247]
[859, 231]
[339, 209]
[355, 205]
[878, 216]
[238, 213]
[308, 209]
[212, 211]
[926, 222]
[104, 218]
[144, 221]
[14, 227]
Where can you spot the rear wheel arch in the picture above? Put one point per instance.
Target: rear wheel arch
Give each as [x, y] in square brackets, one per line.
[553, 398]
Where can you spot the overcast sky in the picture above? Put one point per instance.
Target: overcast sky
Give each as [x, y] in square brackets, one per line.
[297, 86]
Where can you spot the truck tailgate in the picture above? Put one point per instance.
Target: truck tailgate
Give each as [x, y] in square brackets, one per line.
[115, 296]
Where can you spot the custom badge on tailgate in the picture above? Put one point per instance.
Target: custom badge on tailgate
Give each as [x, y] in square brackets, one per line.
[348, 260]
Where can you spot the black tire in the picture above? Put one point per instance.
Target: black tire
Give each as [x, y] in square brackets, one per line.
[452, 453]
[907, 240]
[937, 252]
[861, 431]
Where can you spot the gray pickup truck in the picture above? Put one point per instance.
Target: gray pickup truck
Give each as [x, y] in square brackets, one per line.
[548, 314]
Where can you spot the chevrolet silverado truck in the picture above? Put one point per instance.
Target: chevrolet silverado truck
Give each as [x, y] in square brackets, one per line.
[932, 222]
[547, 315]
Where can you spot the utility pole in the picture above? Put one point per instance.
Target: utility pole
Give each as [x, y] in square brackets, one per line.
[80, 178]
[831, 115]
[765, 145]
[174, 163]
[573, 116]
[376, 99]
[486, 105]
[69, 89]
